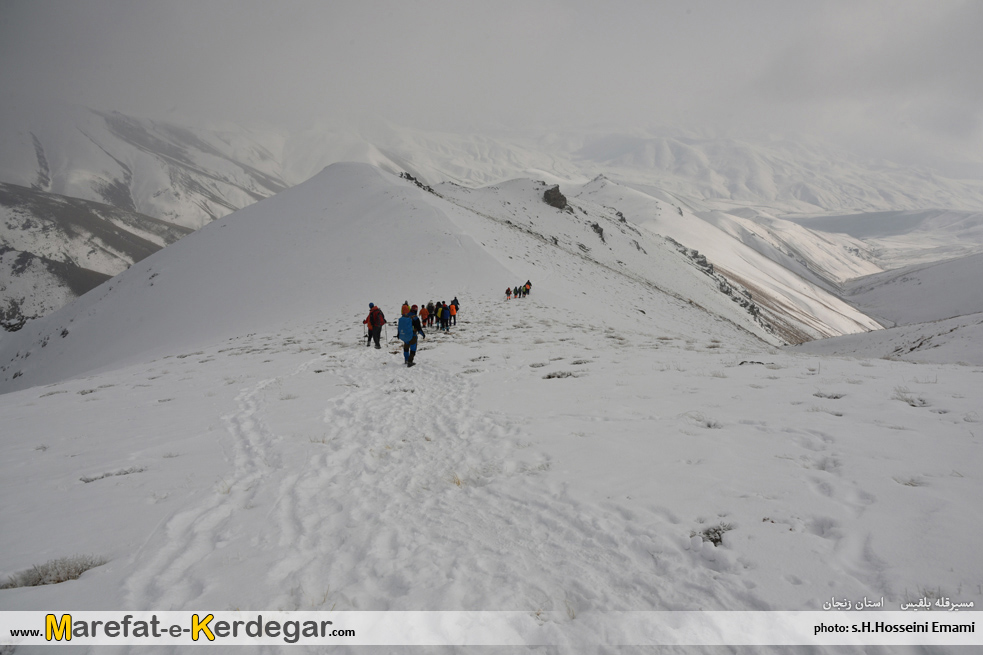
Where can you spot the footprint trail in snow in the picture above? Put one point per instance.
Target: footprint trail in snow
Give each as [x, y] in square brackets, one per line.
[407, 498]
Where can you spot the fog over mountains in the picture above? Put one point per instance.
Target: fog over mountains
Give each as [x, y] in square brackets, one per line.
[188, 177]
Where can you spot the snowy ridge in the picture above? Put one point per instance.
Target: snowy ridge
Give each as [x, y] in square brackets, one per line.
[316, 249]
[333, 242]
[191, 176]
[826, 259]
[800, 308]
[591, 247]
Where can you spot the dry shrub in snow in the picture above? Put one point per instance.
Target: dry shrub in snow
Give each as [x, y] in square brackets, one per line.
[714, 533]
[54, 571]
[904, 394]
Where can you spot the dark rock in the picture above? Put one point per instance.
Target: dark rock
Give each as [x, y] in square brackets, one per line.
[554, 198]
[425, 187]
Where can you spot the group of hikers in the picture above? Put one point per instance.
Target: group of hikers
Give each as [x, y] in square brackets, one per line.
[441, 313]
[414, 317]
[518, 291]
[411, 323]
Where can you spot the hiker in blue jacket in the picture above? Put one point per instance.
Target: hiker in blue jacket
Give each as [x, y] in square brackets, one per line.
[408, 327]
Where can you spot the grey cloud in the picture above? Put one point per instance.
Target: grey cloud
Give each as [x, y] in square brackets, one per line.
[890, 72]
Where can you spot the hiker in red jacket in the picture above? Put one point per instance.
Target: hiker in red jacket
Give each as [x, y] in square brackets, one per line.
[375, 320]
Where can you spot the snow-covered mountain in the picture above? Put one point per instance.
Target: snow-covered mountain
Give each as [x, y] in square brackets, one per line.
[54, 248]
[181, 175]
[85, 194]
[192, 176]
[339, 239]
[778, 268]
[780, 175]
[777, 176]
[628, 437]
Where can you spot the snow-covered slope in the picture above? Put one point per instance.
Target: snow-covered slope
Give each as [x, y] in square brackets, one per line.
[956, 340]
[920, 293]
[56, 248]
[329, 246]
[320, 249]
[799, 307]
[178, 174]
[84, 188]
[587, 246]
[827, 259]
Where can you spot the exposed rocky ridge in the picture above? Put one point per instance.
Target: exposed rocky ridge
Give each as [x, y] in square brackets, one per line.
[54, 248]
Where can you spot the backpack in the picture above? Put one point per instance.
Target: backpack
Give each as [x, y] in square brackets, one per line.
[405, 329]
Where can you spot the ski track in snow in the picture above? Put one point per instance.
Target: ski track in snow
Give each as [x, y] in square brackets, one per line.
[412, 499]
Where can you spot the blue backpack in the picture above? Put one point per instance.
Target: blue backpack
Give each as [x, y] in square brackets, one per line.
[405, 328]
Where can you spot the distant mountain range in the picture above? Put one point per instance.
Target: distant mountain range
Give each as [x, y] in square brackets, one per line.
[180, 175]
[86, 194]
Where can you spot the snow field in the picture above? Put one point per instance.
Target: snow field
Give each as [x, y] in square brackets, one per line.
[302, 470]
[688, 438]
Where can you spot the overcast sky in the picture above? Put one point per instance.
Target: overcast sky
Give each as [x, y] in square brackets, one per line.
[900, 76]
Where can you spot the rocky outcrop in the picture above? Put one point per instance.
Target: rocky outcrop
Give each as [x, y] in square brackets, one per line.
[554, 198]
